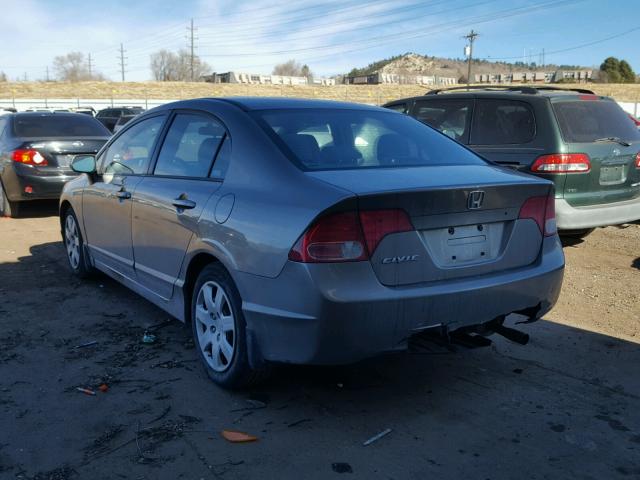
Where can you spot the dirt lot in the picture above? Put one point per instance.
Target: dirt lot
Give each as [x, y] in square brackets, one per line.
[564, 406]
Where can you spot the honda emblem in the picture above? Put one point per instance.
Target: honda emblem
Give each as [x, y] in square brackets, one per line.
[475, 199]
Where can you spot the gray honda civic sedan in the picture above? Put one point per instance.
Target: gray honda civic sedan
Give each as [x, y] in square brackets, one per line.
[310, 232]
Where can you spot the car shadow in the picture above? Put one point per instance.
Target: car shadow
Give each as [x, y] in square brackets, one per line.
[636, 263]
[38, 209]
[567, 401]
[571, 241]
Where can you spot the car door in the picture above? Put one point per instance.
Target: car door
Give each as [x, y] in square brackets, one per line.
[106, 203]
[168, 204]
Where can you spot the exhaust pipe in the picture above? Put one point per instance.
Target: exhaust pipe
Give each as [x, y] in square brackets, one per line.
[511, 334]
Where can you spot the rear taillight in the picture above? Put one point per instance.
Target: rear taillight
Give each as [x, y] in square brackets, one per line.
[348, 236]
[29, 157]
[638, 160]
[635, 120]
[562, 163]
[376, 224]
[543, 211]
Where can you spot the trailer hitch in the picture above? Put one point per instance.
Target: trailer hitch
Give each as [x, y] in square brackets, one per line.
[511, 334]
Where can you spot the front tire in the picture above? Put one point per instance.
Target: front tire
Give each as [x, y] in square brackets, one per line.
[219, 329]
[7, 207]
[74, 245]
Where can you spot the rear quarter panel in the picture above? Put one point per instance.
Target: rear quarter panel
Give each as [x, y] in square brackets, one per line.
[273, 202]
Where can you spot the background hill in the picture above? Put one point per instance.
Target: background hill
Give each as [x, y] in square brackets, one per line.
[413, 63]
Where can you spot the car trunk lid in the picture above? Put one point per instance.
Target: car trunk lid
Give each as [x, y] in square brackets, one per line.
[466, 220]
[59, 153]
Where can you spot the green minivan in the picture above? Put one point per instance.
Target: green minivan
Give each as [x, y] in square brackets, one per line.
[585, 143]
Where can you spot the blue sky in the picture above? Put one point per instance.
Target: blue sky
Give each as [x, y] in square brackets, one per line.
[332, 36]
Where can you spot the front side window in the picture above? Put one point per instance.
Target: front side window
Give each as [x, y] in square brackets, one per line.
[189, 147]
[130, 153]
[502, 122]
[451, 117]
[328, 139]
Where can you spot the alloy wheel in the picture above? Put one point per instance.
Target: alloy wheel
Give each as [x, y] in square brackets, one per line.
[72, 241]
[215, 326]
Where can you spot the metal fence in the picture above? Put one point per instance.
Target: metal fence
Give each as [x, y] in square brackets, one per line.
[23, 104]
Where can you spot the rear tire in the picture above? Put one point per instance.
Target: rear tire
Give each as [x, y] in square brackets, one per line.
[7, 207]
[74, 245]
[577, 234]
[219, 330]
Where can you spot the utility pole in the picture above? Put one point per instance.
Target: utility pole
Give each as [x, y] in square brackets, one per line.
[122, 59]
[471, 36]
[47, 73]
[192, 46]
[543, 57]
[90, 65]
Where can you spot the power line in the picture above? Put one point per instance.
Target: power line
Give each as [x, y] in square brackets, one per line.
[575, 47]
[414, 33]
[432, 30]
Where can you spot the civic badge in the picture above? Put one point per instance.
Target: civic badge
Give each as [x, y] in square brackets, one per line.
[474, 202]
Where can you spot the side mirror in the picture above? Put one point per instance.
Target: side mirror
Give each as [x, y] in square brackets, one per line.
[84, 164]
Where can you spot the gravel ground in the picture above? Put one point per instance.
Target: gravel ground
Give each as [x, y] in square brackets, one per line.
[564, 406]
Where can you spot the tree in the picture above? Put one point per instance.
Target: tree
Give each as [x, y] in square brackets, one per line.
[290, 68]
[617, 71]
[176, 67]
[3, 77]
[163, 64]
[627, 75]
[73, 67]
[306, 72]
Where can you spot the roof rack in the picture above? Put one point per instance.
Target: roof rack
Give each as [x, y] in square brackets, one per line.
[579, 90]
[510, 88]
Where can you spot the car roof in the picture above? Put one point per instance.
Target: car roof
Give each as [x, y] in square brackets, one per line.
[275, 103]
[520, 93]
[45, 114]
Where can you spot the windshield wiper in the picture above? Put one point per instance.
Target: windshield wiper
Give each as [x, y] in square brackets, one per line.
[624, 143]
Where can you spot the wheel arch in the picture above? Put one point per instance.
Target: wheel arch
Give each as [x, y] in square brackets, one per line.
[196, 264]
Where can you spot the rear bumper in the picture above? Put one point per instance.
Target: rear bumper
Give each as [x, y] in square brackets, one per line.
[15, 179]
[575, 218]
[340, 313]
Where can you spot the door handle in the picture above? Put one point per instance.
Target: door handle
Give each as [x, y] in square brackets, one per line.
[183, 203]
[123, 194]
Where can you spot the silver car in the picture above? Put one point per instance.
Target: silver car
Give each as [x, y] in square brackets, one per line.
[310, 232]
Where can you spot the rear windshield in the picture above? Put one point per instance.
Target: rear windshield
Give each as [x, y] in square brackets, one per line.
[587, 121]
[330, 139]
[58, 126]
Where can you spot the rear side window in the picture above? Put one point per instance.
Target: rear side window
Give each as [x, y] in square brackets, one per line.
[33, 126]
[223, 159]
[586, 121]
[332, 139]
[398, 107]
[451, 117]
[189, 147]
[502, 122]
